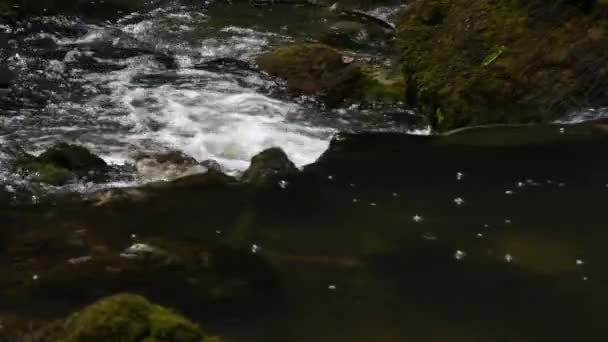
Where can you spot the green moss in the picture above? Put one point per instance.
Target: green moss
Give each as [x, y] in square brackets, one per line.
[48, 173]
[318, 69]
[492, 61]
[128, 318]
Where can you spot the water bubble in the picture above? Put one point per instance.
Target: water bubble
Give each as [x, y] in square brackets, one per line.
[508, 192]
[373, 204]
[255, 248]
[520, 184]
[479, 235]
[459, 176]
[35, 277]
[579, 262]
[417, 218]
[459, 255]
[355, 200]
[218, 232]
[562, 130]
[561, 185]
[332, 287]
[34, 199]
[508, 221]
[283, 184]
[486, 225]
[459, 201]
[330, 177]
[585, 278]
[508, 258]
[133, 236]
[395, 194]
[352, 185]
[429, 236]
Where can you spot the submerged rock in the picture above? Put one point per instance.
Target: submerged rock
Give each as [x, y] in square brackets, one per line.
[128, 318]
[471, 63]
[268, 166]
[167, 166]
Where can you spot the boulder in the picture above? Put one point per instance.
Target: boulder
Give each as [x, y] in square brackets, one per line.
[268, 166]
[128, 318]
[317, 69]
[472, 63]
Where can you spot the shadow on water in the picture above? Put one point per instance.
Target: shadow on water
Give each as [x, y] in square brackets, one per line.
[368, 243]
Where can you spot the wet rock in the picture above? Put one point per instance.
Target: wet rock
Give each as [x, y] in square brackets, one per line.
[142, 251]
[317, 69]
[167, 166]
[63, 162]
[268, 166]
[513, 62]
[128, 318]
[313, 69]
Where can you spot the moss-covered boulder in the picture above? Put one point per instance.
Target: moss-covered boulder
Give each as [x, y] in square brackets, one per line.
[128, 318]
[62, 163]
[489, 61]
[268, 166]
[317, 69]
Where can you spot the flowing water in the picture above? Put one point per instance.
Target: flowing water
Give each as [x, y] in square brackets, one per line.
[484, 236]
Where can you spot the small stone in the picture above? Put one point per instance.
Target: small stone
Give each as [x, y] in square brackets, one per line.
[459, 255]
[459, 201]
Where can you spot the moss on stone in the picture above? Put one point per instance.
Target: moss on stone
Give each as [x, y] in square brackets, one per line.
[48, 173]
[128, 318]
[471, 63]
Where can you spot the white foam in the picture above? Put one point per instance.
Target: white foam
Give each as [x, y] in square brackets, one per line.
[587, 114]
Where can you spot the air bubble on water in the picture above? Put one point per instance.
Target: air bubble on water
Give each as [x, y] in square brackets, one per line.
[218, 232]
[508, 221]
[520, 184]
[508, 258]
[459, 176]
[417, 218]
[479, 235]
[580, 262]
[395, 194]
[34, 199]
[35, 277]
[373, 204]
[330, 177]
[355, 200]
[133, 236]
[509, 192]
[283, 184]
[332, 287]
[459, 255]
[255, 248]
[561, 185]
[585, 278]
[562, 130]
[459, 201]
[429, 236]
[352, 185]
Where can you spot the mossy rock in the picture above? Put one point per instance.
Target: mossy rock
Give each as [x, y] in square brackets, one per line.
[471, 63]
[268, 166]
[62, 163]
[317, 69]
[128, 318]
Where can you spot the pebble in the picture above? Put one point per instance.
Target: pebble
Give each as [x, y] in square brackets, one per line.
[459, 255]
